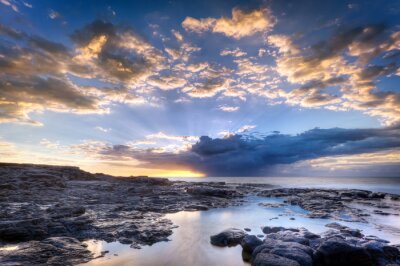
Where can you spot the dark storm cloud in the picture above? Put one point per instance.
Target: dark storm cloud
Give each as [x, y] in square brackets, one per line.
[240, 155]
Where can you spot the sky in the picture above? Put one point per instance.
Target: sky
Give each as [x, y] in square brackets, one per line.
[202, 88]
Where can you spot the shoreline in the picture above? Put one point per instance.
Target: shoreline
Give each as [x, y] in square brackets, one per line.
[52, 210]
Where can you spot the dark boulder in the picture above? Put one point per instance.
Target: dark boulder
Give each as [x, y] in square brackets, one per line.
[337, 252]
[267, 259]
[250, 242]
[229, 237]
[295, 254]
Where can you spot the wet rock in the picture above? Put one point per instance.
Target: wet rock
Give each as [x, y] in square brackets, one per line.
[51, 251]
[23, 230]
[334, 204]
[275, 229]
[335, 247]
[214, 192]
[272, 205]
[289, 236]
[345, 230]
[267, 259]
[336, 226]
[250, 242]
[336, 251]
[295, 254]
[229, 237]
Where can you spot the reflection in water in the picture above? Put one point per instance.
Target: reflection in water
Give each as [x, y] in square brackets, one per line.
[190, 243]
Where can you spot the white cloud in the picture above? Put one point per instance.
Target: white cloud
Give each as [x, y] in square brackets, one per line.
[102, 129]
[229, 108]
[245, 128]
[11, 3]
[241, 24]
[235, 52]
[53, 14]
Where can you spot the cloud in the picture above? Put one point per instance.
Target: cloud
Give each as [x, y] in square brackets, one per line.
[197, 67]
[198, 25]
[53, 14]
[283, 43]
[11, 3]
[177, 35]
[235, 52]
[229, 108]
[102, 129]
[161, 135]
[21, 96]
[50, 144]
[115, 54]
[341, 73]
[241, 24]
[34, 71]
[207, 89]
[166, 82]
[245, 128]
[238, 155]
[28, 5]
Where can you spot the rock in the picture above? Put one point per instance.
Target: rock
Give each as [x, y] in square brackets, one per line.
[381, 253]
[334, 204]
[352, 232]
[247, 229]
[275, 229]
[23, 230]
[124, 240]
[214, 192]
[336, 226]
[250, 242]
[51, 251]
[272, 205]
[59, 211]
[267, 259]
[295, 254]
[335, 252]
[290, 236]
[229, 237]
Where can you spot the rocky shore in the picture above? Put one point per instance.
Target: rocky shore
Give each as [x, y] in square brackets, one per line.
[51, 210]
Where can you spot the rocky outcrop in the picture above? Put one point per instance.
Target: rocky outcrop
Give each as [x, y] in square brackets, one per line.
[227, 238]
[335, 204]
[337, 247]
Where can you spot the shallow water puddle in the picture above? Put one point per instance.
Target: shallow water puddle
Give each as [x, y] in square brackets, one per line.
[190, 243]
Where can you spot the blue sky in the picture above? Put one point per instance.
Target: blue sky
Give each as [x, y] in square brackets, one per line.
[130, 87]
